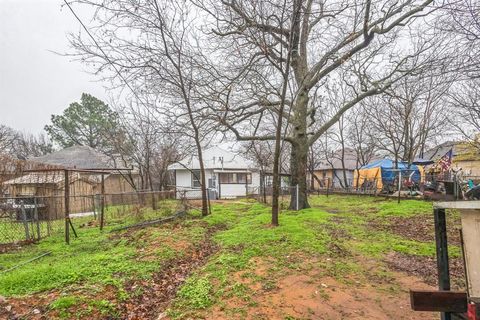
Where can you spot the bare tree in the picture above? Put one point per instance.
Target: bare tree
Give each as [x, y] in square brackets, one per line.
[360, 136]
[465, 99]
[355, 43]
[409, 116]
[149, 47]
[7, 139]
[23, 145]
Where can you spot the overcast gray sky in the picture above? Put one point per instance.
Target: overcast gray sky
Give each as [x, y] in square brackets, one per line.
[34, 82]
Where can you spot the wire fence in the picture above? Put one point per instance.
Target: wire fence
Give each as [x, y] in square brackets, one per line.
[29, 219]
[287, 195]
[26, 219]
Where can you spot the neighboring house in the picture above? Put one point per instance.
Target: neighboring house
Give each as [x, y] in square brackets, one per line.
[465, 156]
[333, 171]
[228, 174]
[83, 158]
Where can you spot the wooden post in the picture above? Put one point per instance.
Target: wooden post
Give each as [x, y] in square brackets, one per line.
[67, 206]
[442, 254]
[102, 208]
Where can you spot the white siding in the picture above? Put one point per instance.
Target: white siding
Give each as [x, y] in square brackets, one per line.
[183, 178]
[232, 190]
[255, 180]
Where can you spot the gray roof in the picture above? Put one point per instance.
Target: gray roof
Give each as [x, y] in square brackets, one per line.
[439, 151]
[48, 178]
[335, 162]
[77, 157]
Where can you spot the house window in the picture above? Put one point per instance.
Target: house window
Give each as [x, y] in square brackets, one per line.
[196, 180]
[235, 178]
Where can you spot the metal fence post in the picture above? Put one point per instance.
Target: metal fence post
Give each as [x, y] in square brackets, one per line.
[399, 184]
[67, 206]
[296, 197]
[102, 208]
[328, 185]
[25, 222]
[35, 217]
[442, 254]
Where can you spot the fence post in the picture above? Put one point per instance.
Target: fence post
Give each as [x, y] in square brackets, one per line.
[93, 207]
[399, 184]
[102, 208]
[67, 206]
[328, 185]
[208, 199]
[25, 222]
[296, 197]
[154, 201]
[442, 253]
[35, 217]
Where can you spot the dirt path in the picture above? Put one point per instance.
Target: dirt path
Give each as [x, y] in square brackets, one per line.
[301, 295]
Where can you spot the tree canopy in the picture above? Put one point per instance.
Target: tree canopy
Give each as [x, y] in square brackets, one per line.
[89, 122]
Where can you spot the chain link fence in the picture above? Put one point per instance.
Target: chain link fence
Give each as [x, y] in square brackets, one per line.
[265, 195]
[28, 219]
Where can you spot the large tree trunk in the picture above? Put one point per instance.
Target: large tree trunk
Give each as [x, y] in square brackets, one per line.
[298, 160]
[299, 154]
[203, 182]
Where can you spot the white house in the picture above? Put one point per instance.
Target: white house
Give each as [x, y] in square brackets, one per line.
[228, 174]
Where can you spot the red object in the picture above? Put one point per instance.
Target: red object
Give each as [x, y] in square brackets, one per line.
[472, 312]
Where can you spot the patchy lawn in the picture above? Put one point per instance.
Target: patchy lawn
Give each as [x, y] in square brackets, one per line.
[346, 257]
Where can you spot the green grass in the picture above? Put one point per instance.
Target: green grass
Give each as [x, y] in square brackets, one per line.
[302, 236]
[94, 257]
[301, 243]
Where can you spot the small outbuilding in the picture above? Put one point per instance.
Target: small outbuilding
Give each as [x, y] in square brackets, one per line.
[120, 178]
[48, 189]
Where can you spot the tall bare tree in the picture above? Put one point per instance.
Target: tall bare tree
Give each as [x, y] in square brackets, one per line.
[410, 115]
[355, 43]
[150, 48]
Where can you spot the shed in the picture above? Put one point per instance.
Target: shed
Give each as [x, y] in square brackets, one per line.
[84, 158]
[49, 189]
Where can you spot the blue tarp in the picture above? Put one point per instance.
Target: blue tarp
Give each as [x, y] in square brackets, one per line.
[389, 172]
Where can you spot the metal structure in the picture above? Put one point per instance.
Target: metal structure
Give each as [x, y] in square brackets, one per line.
[454, 304]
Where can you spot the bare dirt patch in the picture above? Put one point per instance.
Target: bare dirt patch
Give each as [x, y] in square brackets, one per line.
[426, 268]
[419, 228]
[156, 293]
[304, 294]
